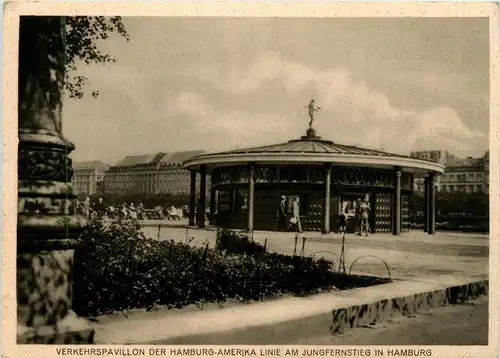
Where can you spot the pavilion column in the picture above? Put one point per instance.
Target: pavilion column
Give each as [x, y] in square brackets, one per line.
[426, 204]
[212, 204]
[47, 226]
[192, 198]
[432, 206]
[396, 229]
[203, 196]
[326, 206]
[251, 196]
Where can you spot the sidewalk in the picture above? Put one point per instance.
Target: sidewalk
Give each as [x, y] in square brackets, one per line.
[425, 275]
[413, 255]
[282, 321]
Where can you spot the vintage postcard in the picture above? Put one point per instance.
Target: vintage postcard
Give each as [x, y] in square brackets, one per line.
[250, 179]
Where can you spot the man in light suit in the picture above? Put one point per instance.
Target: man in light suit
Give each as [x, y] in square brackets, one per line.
[296, 213]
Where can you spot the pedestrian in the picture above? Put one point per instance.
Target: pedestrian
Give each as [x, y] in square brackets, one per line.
[86, 207]
[295, 220]
[365, 214]
[282, 222]
[100, 207]
[357, 216]
[132, 211]
[78, 209]
[140, 211]
[343, 222]
[124, 210]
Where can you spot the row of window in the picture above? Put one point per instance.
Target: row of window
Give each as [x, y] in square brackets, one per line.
[461, 177]
[469, 188]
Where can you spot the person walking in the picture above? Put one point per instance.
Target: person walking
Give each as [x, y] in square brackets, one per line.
[365, 214]
[132, 211]
[357, 216]
[140, 211]
[295, 220]
[343, 222]
[100, 207]
[86, 207]
[78, 207]
[282, 222]
[124, 211]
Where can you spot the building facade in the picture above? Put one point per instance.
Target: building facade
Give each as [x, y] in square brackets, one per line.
[88, 177]
[467, 175]
[150, 174]
[436, 156]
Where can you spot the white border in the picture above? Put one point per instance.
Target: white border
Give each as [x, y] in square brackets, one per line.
[14, 9]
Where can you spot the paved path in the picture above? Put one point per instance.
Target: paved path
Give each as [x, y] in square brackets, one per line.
[411, 255]
[463, 324]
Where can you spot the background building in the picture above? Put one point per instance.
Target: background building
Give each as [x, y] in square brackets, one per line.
[150, 174]
[88, 177]
[468, 175]
[436, 156]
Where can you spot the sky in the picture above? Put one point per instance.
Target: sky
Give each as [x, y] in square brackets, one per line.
[198, 83]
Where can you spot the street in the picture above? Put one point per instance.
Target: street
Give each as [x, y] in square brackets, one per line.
[414, 255]
[463, 324]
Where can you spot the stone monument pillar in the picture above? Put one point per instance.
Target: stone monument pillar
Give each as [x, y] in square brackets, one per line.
[47, 226]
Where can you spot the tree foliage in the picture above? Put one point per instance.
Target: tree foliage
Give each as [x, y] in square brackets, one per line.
[83, 34]
[452, 203]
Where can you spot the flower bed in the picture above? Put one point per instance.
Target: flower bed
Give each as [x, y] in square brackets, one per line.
[118, 268]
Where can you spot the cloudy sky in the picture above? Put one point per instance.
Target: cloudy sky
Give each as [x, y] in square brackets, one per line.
[221, 83]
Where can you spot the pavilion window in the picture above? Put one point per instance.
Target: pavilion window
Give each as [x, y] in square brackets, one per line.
[241, 200]
[224, 201]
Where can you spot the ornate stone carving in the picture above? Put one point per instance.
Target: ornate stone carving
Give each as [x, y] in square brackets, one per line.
[44, 164]
[46, 205]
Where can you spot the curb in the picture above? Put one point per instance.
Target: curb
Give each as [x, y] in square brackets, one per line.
[177, 226]
[336, 321]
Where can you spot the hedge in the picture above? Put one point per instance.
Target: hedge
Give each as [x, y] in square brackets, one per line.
[118, 268]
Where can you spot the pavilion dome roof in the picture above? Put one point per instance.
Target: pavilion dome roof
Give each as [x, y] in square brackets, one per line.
[313, 150]
[313, 146]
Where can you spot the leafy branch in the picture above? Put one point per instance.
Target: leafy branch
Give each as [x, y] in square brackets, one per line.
[83, 34]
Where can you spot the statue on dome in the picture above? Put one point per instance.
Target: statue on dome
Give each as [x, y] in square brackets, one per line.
[312, 108]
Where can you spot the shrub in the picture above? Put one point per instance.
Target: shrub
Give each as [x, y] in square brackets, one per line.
[118, 268]
[238, 243]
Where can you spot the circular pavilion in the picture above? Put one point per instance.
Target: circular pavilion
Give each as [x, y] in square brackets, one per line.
[247, 185]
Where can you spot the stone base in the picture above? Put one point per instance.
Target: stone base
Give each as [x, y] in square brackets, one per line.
[310, 135]
[71, 330]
